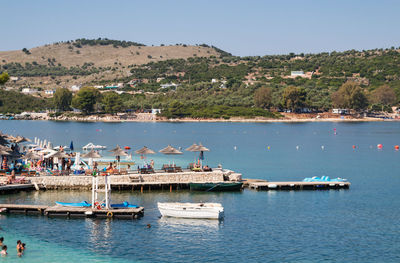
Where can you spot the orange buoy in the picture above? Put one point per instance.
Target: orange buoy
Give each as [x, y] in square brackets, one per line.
[396, 147]
[379, 146]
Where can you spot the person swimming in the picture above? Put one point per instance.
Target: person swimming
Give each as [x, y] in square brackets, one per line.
[4, 251]
[1, 241]
[23, 246]
[19, 245]
[19, 252]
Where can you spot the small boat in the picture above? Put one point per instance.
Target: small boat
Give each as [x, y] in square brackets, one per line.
[192, 210]
[81, 204]
[123, 205]
[324, 179]
[216, 187]
[91, 146]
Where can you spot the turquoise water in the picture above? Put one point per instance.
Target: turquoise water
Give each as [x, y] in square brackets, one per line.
[355, 225]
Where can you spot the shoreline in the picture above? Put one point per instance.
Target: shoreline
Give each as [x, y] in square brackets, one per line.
[232, 120]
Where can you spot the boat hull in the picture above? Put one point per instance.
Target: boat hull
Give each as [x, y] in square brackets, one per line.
[188, 210]
[81, 204]
[216, 187]
[123, 205]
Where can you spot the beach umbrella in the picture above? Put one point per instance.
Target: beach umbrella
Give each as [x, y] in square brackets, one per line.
[144, 151]
[118, 153]
[199, 148]
[71, 146]
[59, 155]
[4, 153]
[169, 150]
[3, 140]
[192, 147]
[32, 156]
[91, 155]
[21, 139]
[117, 148]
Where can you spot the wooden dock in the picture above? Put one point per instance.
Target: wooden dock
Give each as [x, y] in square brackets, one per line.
[298, 185]
[63, 211]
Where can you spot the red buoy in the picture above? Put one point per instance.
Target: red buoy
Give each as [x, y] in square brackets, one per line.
[354, 146]
[396, 147]
[127, 148]
[379, 146]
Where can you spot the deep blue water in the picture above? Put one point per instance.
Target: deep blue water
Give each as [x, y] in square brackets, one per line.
[356, 225]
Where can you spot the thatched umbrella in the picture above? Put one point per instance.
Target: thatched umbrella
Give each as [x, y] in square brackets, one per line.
[91, 155]
[198, 148]
[60, 155]
[192, 147]
[144, 151]
[118, 153]
[32, 156]
[169, 150]
[20, 139]
[4, 153]
[3, 140]
[117, 148]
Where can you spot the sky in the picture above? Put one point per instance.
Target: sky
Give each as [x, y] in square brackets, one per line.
[243, 28]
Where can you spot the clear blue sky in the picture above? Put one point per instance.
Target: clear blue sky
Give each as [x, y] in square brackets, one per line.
[246, 27]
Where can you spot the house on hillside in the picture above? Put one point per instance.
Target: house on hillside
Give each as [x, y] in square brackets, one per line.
[99, 86]
[29, 91]
[169, 85]
[341, 111]
[295, 74]
[50, 92]
[75, 88]
[14, 79]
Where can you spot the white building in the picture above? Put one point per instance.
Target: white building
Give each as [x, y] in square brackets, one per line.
[29, 91]
[75, 87]
[99, 87]
[169, 85]
[155, 111]
[14, 78]
[50, 92]
[299, 73]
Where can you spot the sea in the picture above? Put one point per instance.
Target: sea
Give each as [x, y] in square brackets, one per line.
[360, 224]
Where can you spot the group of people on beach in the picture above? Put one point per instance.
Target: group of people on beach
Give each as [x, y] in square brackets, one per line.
[20, 248]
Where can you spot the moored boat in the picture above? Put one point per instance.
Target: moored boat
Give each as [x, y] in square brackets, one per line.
[81, 204]
[192, 210]
[216, 187]
[123, 205]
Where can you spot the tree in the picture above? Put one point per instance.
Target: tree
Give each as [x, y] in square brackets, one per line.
[263, 97]
[350, 96]
[62, 99]
[384, 95]
[4, 78]
[85, 99]
[294, 98]
[112, 102]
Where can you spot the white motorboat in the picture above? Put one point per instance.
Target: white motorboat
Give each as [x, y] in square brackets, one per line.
[192, 210]
[91, 146]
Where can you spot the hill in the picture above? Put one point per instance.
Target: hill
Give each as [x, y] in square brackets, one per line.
[85, 61]
[209, 82]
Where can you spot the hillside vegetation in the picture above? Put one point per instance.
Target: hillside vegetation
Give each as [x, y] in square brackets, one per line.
[358, 80]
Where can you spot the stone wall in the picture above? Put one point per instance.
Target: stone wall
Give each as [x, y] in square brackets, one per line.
[85, 182]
